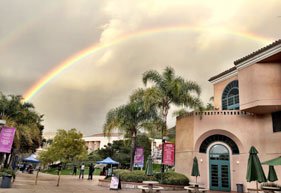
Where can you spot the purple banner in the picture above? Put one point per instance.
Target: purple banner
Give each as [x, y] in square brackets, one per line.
[6, 139]
[139, 157]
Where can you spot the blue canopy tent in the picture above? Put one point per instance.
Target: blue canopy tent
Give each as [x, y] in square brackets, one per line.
[31, 159]
[108, 160]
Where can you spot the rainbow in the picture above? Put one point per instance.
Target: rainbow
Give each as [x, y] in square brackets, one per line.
[63, 66]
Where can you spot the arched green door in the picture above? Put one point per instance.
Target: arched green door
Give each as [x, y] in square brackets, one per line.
[219, 168]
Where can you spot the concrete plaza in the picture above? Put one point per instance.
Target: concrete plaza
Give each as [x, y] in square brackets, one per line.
[25, 183]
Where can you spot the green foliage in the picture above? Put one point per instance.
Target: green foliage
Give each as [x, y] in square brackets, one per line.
[5, 171]
[94, 156]
[120, 151]
[67, 146]
[169, 178]
[133, 176]
[22, 116]
[173, 178]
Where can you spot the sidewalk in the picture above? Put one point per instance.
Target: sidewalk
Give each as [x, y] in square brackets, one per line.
[25, 183]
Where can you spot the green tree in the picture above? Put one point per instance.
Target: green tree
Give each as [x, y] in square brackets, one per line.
[68, 146]
[130, 119]
[27, 122]
[120, 151]
[170, 89]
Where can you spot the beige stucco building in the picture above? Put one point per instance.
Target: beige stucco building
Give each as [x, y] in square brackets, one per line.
[98, 141]
[247, 99]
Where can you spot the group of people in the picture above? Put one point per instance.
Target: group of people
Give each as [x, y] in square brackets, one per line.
[82, 169]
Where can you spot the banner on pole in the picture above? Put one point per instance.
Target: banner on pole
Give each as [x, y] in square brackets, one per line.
[169, 154]
[139, 157]
[6, 139]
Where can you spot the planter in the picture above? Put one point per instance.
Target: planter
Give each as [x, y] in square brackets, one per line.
[134, 185]
[6, 181]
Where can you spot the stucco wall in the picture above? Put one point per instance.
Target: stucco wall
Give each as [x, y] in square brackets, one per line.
[184, 144]
[218, 90]
[245, 129]
[260, 85]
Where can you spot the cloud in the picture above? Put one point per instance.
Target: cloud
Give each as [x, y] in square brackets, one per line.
[50, 32]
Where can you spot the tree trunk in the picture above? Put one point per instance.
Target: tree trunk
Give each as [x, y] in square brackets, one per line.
[133, 147]
[1, 159]
[6, 160]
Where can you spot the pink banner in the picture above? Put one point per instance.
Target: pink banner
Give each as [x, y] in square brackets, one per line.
[139, 157]
[169, 154]
[6, 139]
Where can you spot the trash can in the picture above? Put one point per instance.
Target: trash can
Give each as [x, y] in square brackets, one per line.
[240, 188]
[6, 181]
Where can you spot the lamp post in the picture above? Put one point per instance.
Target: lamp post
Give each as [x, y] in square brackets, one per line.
[164, 138]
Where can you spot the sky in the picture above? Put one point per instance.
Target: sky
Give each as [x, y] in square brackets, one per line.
[198, 38]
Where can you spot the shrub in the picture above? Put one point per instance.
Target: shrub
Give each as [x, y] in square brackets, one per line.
[5, 171]
[170, 178]
[173, 178]
[134, 176]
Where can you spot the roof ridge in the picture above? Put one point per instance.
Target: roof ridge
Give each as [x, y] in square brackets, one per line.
[275, 43]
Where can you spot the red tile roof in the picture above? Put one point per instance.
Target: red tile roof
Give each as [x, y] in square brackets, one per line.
[236, 62]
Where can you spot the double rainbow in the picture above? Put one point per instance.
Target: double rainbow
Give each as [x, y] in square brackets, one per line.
[63, 66]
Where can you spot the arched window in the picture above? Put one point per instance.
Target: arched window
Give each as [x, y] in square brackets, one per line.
[230, 96]
[219, 152]
[222, 138]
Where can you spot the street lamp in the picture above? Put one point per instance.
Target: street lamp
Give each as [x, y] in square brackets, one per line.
[164, 139]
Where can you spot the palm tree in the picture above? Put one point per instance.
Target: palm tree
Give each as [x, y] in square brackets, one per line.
[170, 89]
[130, 119]
[22, 116]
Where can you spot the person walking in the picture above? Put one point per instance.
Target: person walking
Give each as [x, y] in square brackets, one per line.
[82, 168]
[91, 171]
[74, 170]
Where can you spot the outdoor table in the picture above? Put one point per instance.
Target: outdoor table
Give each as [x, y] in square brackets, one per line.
[196, 186]
[150, 185]
[270, 189]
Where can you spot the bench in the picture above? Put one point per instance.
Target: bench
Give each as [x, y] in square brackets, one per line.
[188, 188]
[156, 188]
[143, 188]
[255, 190]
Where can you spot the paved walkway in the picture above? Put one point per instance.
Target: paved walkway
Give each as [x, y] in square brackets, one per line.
[25, 183]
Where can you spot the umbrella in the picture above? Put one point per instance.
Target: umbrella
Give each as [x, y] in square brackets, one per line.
[195, 169]
[148, 168]
[254, 169]
[272, 177]
[31, 159]
[271, 173]
[273, 162]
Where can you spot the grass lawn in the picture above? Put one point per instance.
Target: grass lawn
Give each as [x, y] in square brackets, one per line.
[70, 171]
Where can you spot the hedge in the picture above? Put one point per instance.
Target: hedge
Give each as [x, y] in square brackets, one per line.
[169, 178]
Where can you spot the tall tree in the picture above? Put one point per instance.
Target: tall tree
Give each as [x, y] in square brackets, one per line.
[28, 122]
[130, 119]
[168, 89]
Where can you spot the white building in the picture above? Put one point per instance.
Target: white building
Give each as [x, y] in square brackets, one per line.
[97, 141]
